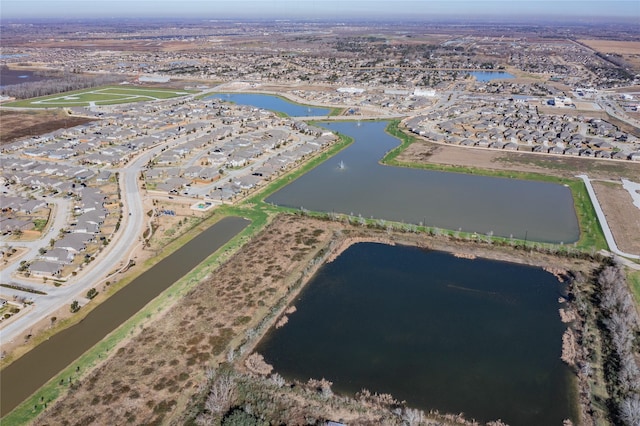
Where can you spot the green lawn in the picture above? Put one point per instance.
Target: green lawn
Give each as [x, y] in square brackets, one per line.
[634, 284]
[109, 95]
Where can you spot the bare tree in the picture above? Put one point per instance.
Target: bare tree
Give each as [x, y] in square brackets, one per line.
[221, 395]
[412, 417]
[630, 411]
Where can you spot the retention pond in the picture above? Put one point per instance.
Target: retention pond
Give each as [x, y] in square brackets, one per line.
[273, 103]
[457, 335]
[354, 182]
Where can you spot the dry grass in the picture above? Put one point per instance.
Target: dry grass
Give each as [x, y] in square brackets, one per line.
[18, 124]
[623, 217]
[483, 158]
[614, 46]
[152, 378]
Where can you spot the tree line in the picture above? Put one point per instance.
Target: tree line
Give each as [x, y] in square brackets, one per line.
[57, 83]
[620, 327]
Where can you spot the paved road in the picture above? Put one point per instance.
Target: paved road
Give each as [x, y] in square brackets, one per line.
[61, 212]
[118, 250]
[603, 221]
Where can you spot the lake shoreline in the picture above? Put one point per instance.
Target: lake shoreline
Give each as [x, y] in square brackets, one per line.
[351, 235]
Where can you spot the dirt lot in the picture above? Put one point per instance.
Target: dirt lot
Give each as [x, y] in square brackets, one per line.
[18, 124]
[629, 50]
[561, 166]
[153, 377]
[614, 46]
[623, 217]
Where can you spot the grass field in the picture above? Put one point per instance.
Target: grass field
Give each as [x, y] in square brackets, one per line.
[110, 95]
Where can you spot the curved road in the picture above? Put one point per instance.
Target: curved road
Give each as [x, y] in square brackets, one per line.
[96, 272]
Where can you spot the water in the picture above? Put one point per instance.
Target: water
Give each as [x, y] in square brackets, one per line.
[490, 75]
[273, 103]
[9, 76]
[475, 336]
[28, 373]
[536, 210]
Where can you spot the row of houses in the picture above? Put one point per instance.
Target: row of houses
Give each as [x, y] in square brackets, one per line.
[84, 228]
[517, 127]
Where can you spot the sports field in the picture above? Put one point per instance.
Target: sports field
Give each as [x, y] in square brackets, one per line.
[110, 95]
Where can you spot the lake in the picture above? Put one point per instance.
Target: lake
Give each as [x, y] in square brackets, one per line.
[272, 103]
[507, 207]
[475, 336]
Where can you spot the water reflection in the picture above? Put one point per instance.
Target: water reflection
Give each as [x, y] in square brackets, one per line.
[475, 336]
[505, 207]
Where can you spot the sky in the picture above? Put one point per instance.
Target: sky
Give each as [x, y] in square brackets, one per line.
[321, 9]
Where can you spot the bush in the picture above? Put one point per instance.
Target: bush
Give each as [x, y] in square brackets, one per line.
[239, 417]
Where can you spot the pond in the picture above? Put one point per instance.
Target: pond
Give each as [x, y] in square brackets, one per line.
[490, 75]
[273, 103]
[354, 182]
[9, 77]
[457, 335]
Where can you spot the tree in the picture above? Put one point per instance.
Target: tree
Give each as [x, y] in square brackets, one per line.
[92, 293]
[75, 306]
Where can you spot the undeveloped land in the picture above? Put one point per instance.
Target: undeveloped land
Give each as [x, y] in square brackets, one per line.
[18, 124]
[153, 377]
[622, 216]
[629, 50]
[491, 159]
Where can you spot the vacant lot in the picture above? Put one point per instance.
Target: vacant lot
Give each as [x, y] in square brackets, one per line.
[18, 124]
[100, 96]
[629, 50]
[622, 216]
[483, 158]
[614, 46]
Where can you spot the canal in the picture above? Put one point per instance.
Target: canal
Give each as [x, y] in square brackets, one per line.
[31, 371]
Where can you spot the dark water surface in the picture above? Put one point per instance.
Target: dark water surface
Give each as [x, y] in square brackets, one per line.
[28, 373]
[540, 211]
[475, 336]
[9, 76]
[272, 103]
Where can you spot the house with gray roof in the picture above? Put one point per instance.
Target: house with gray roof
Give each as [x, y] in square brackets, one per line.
[74, 242]
[59, 255]
[43, 268]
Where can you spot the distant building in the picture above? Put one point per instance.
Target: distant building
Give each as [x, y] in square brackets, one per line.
[429, 93]
[350, 90]
[153, 79]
